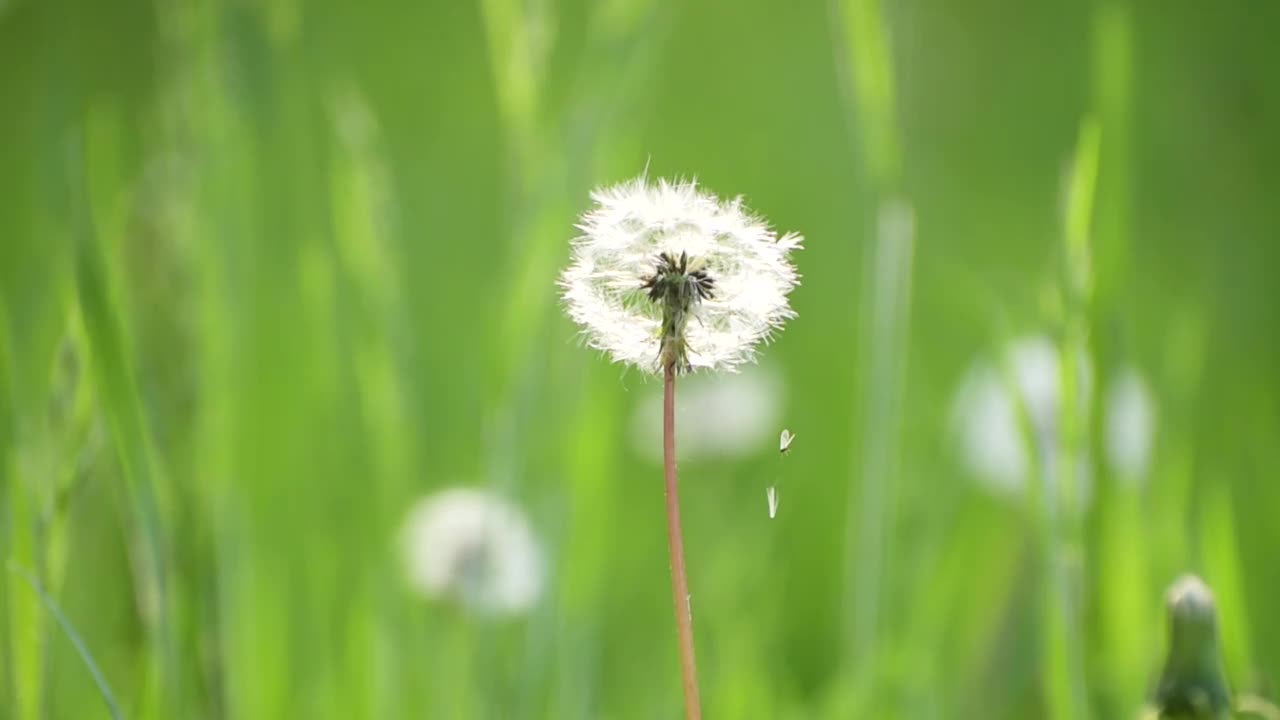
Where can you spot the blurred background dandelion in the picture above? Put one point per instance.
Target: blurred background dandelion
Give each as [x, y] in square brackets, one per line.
[272, 273]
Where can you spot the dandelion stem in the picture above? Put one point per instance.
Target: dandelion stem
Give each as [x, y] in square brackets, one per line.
[675, 543]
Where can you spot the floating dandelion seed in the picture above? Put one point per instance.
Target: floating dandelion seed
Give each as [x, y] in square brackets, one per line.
[471, 546]
[784, 449]
[667, 271]
[784, 442]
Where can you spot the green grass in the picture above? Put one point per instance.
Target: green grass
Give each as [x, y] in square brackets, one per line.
[270, 273]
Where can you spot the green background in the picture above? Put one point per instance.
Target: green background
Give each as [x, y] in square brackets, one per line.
[269, 271]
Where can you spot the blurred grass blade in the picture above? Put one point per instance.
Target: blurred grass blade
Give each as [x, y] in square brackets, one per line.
[1113, 86]
[864, 63]
[124, 411]
[19, 662]
[1083, 183]
[1062, 504]
[1120, 541]
[82, 650]
[888, 305]
[1222, 566]
[867, 67]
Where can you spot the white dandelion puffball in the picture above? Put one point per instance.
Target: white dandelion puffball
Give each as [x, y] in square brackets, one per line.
[985, 416]
[742, 263]
[473, 547]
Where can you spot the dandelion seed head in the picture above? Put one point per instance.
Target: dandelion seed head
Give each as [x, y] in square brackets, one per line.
[635, 224]
[473, 547]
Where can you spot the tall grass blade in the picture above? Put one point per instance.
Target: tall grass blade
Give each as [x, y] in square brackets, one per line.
[82, 649]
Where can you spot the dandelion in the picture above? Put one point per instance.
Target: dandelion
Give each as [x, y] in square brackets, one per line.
[472, 547]
[670, 279]
[666, 273]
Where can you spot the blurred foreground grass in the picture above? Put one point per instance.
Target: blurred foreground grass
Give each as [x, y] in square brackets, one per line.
[271, 271]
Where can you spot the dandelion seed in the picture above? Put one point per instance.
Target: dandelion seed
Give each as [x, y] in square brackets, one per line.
[784, 449]
[784, 442]
[666, 272]
[473, 547]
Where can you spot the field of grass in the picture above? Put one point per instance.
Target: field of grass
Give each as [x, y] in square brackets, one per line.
[271, 272]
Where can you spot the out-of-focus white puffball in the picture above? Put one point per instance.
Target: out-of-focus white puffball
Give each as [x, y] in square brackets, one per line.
[473, 547]
[1130, 425]
[985, 415]
[717, 415]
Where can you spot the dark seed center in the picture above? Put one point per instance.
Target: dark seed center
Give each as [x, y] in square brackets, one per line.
[677, 289]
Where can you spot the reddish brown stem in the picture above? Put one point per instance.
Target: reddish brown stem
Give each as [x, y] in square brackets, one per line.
[675, 543]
